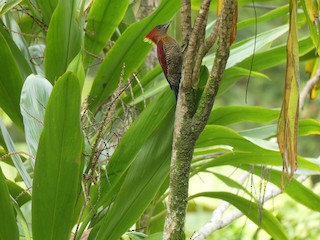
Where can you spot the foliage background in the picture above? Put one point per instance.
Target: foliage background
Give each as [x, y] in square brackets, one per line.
[133, 128]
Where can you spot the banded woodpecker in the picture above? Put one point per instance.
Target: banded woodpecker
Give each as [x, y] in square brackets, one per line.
[169, 55]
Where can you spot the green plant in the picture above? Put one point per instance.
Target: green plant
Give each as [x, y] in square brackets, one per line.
[98, 166]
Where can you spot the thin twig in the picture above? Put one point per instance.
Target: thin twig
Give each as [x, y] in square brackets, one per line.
[16, 153]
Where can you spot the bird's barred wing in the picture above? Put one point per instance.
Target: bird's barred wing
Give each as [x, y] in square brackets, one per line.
[162, 57]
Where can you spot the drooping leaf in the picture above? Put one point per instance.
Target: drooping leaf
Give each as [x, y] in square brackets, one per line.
[8, 224]
[57, 170]
[261, 217]
[288, 121]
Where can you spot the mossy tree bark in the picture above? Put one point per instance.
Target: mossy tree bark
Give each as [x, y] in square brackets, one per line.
[191, 117]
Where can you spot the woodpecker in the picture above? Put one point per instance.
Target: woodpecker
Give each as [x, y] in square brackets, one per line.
[169, 55]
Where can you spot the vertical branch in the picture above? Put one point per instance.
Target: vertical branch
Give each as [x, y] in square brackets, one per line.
[187, 125]
[185, 21]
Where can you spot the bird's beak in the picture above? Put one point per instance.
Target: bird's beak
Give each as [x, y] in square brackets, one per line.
[167, 25]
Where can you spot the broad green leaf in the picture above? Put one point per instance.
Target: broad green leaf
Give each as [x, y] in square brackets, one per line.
[155, 236]
[219, 135]
[275, 56]
[8, 224]
[275, 13]
[64, 38]
[20, 56]
[294, 189]
[233, 114]
[309, 127]
[20, 195]
[33, 101]
[103, 18]
[264, 157]
[126, 153]
[15, 157]
[21, 43]
[288, 120]
[47, 8]
[10, 83]
[234, 74]
[128, 52]
[244, 49]
[261, 217]
[76, 66]
[306, 127]
[143, 180]
[57, 171]
[6, 6]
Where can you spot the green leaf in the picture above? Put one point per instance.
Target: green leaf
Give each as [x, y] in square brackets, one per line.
[261, 217]
[18, 46]
[34, 97]
[129, 52]
[47, 8]
[147, 123]
[309, 127]
[15, 157]
[142, 182]
[6, 6]
[276, 55]
[76, 66]
[244, 49]
[233, 114]
[219, 135]
[22, 45]
[57, 171]
[103, 18]
[20, 195]
[264, 157]
[8, 224]
[64, 38]
[10, 83]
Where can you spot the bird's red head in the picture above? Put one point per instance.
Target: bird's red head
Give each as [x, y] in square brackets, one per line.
[157, 32]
